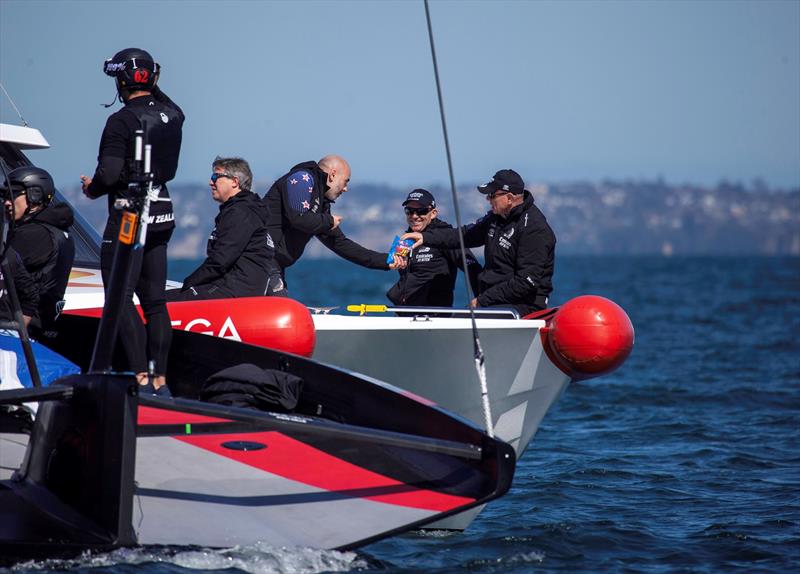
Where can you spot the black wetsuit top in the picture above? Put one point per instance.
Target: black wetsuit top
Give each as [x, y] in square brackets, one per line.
[164, 122]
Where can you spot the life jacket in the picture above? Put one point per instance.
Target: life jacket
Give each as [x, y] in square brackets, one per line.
[53, 278]
[163, 127]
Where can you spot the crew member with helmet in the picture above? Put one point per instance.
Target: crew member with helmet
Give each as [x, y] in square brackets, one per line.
[146, 107]
[430, 276]
[41, 237]
[520, 246]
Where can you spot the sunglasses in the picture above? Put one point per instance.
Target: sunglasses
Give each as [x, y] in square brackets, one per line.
[215, 176]
[421, 211]
[491, 196]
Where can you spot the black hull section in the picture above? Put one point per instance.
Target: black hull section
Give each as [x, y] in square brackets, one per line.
[75, 487]
[355, 462]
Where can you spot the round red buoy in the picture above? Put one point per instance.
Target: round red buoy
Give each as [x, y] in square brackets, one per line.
[277, 323]
[589, 336]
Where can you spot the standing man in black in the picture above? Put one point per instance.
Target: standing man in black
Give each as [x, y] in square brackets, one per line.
[148, 108]
[299, 206]
[430, 276]
[520, 247]
[41, 237]
[239, 249]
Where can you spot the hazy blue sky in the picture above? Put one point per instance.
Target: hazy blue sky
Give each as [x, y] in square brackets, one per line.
[691, 91]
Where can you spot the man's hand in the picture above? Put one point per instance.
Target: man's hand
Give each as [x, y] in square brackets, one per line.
[85, 183]
[337, 219]
[417, 237]
[398, 262]
[474, 303]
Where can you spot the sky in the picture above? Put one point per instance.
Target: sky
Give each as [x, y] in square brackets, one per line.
[692, 92]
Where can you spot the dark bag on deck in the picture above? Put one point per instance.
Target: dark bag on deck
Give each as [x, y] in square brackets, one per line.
[250, 386]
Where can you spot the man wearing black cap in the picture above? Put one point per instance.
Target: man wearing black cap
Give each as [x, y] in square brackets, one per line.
[430, 276]
[520, 247]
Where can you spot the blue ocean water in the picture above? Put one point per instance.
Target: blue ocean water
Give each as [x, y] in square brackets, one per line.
[687, 459]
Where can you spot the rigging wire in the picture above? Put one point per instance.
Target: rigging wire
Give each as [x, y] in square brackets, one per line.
[480, 359]
[13, 105]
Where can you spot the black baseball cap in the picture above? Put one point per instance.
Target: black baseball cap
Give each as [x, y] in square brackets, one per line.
[504, 180]
[421, 196]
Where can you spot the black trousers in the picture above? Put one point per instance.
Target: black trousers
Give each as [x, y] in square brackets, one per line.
[148, 277]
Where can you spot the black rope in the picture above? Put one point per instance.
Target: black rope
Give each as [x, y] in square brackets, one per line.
[478, 351]
[452, 181]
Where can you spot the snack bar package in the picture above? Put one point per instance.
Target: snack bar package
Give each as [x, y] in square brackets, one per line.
[401, 247]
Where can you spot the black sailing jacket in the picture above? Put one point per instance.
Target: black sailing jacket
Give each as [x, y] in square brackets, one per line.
[239, 249]
[292, 222]
[164, 121]
[27, 290]
[47, 251]
[430, 276]
[519, 255]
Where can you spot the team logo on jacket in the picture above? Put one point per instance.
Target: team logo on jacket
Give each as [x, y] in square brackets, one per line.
[164, 118]
[163, 218]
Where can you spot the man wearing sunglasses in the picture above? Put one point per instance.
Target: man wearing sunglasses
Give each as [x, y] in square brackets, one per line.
[239, 248]
[41, 237]
[430, 276]
[299, 206]
[519, 247]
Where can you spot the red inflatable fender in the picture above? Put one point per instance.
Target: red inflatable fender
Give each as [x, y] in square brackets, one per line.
[274, 322]
[588, 336]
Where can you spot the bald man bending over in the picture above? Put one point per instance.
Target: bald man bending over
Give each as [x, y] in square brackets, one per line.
[300, 208]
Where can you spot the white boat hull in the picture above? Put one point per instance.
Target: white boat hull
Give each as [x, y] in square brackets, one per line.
[433, 358]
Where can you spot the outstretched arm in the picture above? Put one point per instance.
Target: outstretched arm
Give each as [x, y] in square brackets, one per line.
[348, 249]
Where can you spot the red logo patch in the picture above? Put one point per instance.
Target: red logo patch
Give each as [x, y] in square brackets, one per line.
[140, 76]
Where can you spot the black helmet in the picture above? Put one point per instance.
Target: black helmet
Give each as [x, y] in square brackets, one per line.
[34, 182]
[133, 69]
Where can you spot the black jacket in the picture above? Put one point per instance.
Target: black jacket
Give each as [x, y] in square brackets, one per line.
[519, 255]
[294, 218]
[239, 249]
[115, 158]
[430, 276]
[47, 251]
[27, 290]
